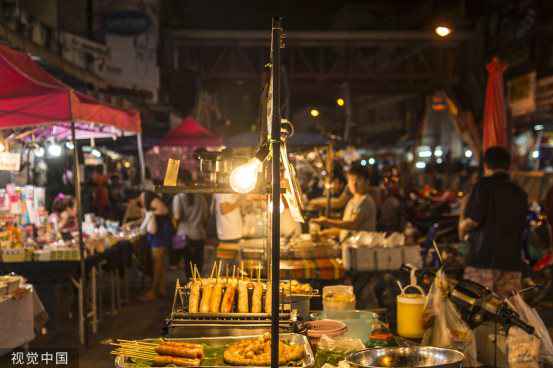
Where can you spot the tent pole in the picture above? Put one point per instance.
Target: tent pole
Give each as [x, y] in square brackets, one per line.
[141, 158]
[78, 202]
[275, 178]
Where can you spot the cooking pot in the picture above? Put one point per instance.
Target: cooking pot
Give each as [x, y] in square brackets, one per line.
[406, 357]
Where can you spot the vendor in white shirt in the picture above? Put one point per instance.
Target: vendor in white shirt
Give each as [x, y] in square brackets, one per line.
[360, 212]
[228, 217]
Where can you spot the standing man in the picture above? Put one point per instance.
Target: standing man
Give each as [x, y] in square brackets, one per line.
[360, 212]
[494, 222]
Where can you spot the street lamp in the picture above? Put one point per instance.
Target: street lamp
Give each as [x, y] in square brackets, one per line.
[442, 30]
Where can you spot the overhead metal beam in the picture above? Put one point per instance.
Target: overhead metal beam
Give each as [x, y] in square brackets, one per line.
[320, 36]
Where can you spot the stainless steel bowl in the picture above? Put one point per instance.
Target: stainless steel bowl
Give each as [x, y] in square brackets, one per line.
[406, 357]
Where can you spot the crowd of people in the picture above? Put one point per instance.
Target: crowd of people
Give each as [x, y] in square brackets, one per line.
[492, 216]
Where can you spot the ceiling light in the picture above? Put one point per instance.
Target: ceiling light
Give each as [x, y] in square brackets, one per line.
[314, 113]
[372, 161]
[420, 165]
[39, 152]
[442, 31]
[54, 150]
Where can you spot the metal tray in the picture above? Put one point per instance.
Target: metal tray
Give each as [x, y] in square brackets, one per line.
[296, 339]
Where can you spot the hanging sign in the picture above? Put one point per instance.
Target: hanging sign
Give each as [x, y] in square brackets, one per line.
[10, 161]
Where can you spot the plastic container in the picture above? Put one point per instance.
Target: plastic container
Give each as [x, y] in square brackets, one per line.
[338, 298]
[410, 309]
[327, 327]
[360, 323]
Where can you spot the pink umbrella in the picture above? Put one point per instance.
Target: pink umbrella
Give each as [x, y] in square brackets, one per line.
[495, 116]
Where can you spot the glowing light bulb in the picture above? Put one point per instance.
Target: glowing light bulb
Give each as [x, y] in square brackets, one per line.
[420, 165]
[340, 102]
[96, 153]
[54, 150]
[363, 162]
[314, 113]
[39, 152]
[372, 161]
[442, 31]
[468, 153]
[243, 179]
[69, 145]
[438, 152]
[127, 164]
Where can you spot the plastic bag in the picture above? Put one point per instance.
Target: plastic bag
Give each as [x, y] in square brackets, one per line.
[531, 316]
[445, 327]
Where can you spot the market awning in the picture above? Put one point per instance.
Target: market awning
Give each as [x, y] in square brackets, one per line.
[192, 134]
[29, 96]
[495, 115]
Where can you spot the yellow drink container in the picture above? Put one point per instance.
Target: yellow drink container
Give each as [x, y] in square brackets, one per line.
[409, 313]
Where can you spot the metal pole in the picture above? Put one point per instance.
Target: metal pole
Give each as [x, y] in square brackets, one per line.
[141, 158]
[329, 177]
[78, 202]
[275, 228]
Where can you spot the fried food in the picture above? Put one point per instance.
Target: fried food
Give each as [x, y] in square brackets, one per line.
[256, 297]
[194, 300]
[257, 352]
[243, 303]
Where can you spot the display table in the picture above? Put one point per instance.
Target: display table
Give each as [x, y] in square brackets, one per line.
[19, 318]
[47, 275]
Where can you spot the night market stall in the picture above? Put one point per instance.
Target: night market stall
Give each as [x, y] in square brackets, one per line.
[239, 316]
[38, 108]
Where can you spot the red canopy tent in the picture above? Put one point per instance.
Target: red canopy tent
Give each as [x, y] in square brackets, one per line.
[191, 133]
[32, 98]
[495, 115]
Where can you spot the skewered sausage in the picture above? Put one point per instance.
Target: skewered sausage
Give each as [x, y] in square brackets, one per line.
[243, 305]
[172, 350]
[181, 362]
[217, 294]
[206, 298]
[228, 298]
[268, 299]
[256, 297]
[194, 299]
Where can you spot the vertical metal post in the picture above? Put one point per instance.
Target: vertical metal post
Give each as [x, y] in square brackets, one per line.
[275, 154]
[78, 202]
[141, 158]
[329, 177]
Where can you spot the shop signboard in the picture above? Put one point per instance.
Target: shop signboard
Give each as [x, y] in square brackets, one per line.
[130, 30]
[79, 50]
[522, 94]
[10, 161]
